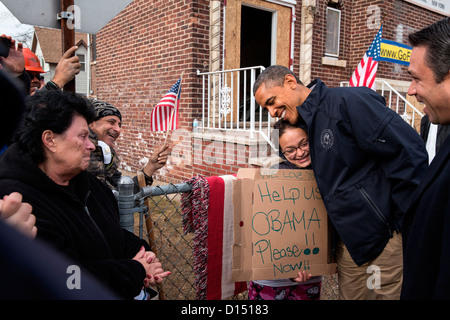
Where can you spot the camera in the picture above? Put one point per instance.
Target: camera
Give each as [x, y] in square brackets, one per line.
[5, 43]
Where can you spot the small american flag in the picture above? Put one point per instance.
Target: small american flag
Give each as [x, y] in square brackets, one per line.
[364, 75]
[164, 115]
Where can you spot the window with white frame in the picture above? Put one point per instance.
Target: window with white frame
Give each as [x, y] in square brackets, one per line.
[82, 61]
[333, 32]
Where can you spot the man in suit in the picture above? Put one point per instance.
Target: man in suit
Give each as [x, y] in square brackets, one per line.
[433, 135]
[426, 225]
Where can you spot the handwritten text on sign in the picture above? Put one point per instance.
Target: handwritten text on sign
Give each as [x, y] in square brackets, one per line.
[289, 223]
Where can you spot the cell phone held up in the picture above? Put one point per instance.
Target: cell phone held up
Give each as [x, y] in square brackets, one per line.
[5, 43]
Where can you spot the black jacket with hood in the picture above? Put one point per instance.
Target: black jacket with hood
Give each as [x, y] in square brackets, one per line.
[81, 221]
[367, 162]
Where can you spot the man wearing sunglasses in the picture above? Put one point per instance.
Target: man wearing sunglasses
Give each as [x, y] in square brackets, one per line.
[66, 69]
[33, 69]
[37, 81]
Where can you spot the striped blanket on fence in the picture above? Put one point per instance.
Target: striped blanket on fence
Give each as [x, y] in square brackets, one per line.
[208, 212]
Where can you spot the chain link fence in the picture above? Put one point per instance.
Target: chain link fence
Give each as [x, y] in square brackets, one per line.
[161, 225]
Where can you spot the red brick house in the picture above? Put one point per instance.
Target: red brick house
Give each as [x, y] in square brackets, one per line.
[142, 52]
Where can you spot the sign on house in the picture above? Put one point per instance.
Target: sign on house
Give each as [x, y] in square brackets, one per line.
[395, 52]
[439, 6]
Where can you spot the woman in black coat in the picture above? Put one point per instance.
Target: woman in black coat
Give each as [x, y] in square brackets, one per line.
[75, 212]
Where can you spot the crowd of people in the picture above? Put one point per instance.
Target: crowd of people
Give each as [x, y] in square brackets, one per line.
[388, 207]
[385, 187]
[50, 196]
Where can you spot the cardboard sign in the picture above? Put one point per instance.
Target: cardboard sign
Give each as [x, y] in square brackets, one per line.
[280, 225]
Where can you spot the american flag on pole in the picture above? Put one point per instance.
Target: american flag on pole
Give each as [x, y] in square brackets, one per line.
[364, 75]
[164, 115]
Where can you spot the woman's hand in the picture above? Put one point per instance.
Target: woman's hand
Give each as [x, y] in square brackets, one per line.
[154, 272]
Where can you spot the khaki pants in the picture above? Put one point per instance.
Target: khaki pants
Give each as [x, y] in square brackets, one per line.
[380, 279]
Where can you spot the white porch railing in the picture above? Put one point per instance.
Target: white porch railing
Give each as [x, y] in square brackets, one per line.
[397, 102]
[228, 102]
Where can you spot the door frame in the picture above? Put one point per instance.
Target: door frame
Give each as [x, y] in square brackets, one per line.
[280, 52]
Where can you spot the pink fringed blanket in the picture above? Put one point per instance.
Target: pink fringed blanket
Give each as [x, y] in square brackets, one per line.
[208, 212]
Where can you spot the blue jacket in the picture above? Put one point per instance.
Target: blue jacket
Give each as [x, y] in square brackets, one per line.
[367, 162]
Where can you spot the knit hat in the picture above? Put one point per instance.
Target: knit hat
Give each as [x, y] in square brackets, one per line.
[103, 109]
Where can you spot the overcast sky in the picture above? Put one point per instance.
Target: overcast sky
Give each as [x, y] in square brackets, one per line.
[10, 26]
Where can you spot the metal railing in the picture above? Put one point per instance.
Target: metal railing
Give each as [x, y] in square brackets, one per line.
[161, 225]
[228, 102]
[396, 101]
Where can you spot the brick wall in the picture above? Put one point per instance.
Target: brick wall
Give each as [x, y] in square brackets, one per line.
[141, 53]
[356, 36]
[144, 50]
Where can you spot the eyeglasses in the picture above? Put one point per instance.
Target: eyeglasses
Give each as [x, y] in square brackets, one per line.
[290, 151]
[35, 75]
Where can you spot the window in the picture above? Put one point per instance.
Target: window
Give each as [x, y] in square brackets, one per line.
[333, 32]
[82, 61]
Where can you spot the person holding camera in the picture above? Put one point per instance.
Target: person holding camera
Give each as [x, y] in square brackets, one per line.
[12, 62]
[66, 69]
[23, 64]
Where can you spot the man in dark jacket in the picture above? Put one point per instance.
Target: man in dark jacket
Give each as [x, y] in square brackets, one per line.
[427, 221]
[367, 161]
[433, 135]
[75, 212]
